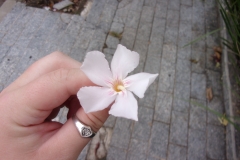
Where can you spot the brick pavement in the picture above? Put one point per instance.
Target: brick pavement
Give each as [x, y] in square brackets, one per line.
[169, 126]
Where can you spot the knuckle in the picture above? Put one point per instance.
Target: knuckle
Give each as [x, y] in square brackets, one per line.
[60, 75]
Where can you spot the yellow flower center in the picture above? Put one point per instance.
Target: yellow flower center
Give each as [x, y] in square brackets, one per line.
[118, 86]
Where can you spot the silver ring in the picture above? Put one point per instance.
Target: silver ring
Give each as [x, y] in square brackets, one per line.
[85, 131]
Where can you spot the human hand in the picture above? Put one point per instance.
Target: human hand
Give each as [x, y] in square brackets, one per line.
[28, 104]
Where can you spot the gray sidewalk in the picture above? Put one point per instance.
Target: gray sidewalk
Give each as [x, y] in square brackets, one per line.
[169, 126]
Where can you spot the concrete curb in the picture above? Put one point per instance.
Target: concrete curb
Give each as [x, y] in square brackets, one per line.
[228, 101]
[6, 8]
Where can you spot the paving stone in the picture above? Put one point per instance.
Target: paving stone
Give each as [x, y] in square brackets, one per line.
[198, 19]
[31, 28]
[211, 9]
[63, 117]
[187, 2]
[197, 145]
[121, 133]
[144, 31]
[183, 71]
[213, 40]
[110, 122]
[149, 96]
[74, 28]
[141, 47]
[216, 142]
[186, 13]
[95, 45]
[157, 34]
[132, 156]
[66, 43]
[112, 42]
[124, 3]
[137, 5]
[177, 152]
[107, 17]
[95, 12]
[169, 54]
[199, 66]
[179, 128]
[153, 60]
[184, 52]
[83, 154]
[214, 81]
[147, 14]
[174, 4]
[112, 2]
[150, 157]
[1, 35]
[216, 104]
[133, 19]
[122, 12]
[199, 45]
[172, 18]
[77, 54]
[56, 34]
[150, 3]
[38, 39]
[16, 29]
[109, 51]
[166, 77]
[117, 27]
[198, 115]
[142, 128]
[108, 13]
[84, 38]
[163, 107]
[11, 59]
[138, 147]
[185, 34]
[115, 153]
[198, 86]
[99, 35]
[170, 35]
[181, 97]
[155, 50]
[161, 9]
[158, 144]
[3, 51]
[13, 15]
[167, 70]
[128, 37]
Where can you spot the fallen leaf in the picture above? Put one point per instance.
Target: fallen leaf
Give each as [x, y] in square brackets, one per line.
[209, 93]
[194, 61]
[115, 34]
[223, 120]
[217, 49]
[217, 54]
[217, 65]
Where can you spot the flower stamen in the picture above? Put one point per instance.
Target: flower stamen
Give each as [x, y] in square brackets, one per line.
[118, 86]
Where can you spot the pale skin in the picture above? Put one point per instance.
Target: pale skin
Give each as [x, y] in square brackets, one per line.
[30, 102]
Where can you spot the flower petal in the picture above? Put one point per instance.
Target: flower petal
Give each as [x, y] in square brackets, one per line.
[124, 61]
[125, 106]
[95, 98]
[96, 67]
[138, 83]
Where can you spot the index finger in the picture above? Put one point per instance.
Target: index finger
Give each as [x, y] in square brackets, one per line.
[49, 63]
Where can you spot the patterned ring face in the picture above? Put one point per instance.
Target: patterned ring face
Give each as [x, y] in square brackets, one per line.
[84, 131]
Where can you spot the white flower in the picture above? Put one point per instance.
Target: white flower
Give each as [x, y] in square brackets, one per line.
[114, 84]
